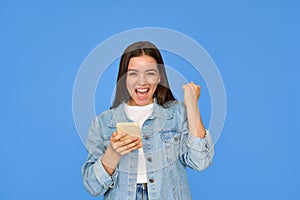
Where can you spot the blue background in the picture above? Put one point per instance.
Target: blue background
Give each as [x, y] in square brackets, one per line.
[255, 45]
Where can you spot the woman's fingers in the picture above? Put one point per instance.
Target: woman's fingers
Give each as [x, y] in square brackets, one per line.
[123, 147]
[191, 85]
[117, 136]
[132, 145]
[191, 92]
[127, 142]
[197, 90]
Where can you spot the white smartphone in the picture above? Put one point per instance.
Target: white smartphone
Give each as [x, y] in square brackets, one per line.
[131, 128]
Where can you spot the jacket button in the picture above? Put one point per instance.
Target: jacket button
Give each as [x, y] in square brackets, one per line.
[151, 180]
[146, 137]
[149, 159]
[175, 139]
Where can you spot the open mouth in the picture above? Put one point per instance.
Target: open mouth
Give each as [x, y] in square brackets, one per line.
[142, 93]
[145, 90]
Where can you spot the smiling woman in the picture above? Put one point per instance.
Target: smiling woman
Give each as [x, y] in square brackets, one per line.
[142, 80]
[173, 137]
[142, 56]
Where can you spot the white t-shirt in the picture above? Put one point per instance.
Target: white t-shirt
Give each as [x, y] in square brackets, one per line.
[140, 114]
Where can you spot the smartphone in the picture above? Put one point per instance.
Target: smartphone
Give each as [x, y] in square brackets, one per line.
[131, 128]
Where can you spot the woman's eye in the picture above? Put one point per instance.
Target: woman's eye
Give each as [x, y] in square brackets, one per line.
[132, 74]
[151, 74]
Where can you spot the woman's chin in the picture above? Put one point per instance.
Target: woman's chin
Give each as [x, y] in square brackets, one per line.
[140, 102]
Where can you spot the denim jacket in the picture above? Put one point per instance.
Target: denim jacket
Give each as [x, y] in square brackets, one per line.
[168, 147]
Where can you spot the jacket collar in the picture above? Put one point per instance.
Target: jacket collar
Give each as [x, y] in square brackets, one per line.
[119, 115]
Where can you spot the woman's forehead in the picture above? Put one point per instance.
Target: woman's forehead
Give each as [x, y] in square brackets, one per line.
[142, 62]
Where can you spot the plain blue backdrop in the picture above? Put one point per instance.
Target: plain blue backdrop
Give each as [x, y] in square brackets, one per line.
[255, 45]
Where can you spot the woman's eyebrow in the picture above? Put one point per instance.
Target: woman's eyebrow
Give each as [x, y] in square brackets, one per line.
[132, 70]
[151, 70]
[155, 70]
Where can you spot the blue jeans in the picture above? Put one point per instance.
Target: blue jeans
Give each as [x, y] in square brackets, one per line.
[141, 192]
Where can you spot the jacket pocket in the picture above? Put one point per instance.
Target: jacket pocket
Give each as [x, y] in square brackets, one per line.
[171, 144]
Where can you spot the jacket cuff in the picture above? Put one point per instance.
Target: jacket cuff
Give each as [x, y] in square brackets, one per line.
[103, 177]
[200, 144]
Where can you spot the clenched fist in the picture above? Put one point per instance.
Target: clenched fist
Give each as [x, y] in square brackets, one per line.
[191, 93]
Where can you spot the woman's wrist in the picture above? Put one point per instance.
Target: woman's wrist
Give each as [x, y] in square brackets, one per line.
[202, 133]
[110, 160]
[191, 104]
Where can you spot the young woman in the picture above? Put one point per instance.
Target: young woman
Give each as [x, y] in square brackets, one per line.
[173, 135]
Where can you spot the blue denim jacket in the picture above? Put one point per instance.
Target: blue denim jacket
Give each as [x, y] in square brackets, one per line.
[168, 148]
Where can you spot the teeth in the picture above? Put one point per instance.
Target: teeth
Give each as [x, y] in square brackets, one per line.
[142, 90]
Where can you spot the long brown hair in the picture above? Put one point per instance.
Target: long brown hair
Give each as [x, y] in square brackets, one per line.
[162, 92]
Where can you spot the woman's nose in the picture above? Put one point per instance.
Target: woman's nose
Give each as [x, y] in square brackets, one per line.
[142, 79]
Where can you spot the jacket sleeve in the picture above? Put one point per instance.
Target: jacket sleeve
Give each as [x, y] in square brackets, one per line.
[196, 153]
[95, 178]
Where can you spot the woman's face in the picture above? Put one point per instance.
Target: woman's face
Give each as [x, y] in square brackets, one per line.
[142, 79]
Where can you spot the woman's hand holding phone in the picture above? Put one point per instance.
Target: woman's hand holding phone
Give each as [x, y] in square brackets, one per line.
[122, 144]
[118, 147]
